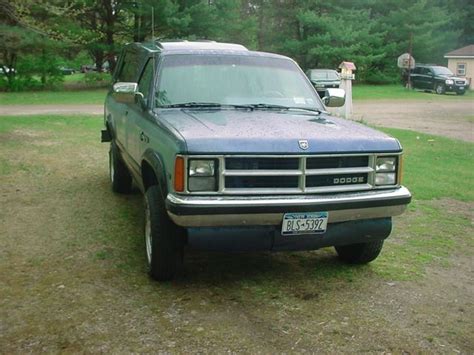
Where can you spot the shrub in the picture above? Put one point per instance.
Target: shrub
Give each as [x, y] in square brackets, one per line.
[96, 79]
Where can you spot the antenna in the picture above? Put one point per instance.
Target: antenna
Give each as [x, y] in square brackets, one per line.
[152, 23]
[153, 40]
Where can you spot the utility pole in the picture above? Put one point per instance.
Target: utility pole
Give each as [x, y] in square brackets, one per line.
[410, 49]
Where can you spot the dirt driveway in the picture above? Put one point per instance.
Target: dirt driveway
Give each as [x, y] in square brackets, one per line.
[453, 117]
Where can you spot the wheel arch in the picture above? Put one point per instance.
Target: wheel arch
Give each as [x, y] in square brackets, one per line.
[153, 172]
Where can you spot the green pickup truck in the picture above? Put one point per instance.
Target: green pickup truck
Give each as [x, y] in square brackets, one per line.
[234, 150]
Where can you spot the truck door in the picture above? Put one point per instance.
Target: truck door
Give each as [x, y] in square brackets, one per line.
[426, 78]
[415, 77]
[127, 73]
[140, 117]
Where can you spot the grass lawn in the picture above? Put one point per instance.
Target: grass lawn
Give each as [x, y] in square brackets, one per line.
[74, 78]
[53, 97]
[389, 92]
[73, 278]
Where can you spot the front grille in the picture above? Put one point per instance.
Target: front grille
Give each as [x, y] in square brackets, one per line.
[261, 163]
[336, 162]
[261, 182]
[459, 82]
[302, 174]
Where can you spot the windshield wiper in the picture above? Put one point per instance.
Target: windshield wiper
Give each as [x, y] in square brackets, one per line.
[191, 104]
[315, 110]
[281, 107]
[205, 105]
[269, 106]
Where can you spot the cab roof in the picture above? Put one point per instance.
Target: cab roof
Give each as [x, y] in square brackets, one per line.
[199, 47]
[184, 46]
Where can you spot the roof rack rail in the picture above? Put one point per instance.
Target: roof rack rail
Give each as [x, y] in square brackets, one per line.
[426, 64]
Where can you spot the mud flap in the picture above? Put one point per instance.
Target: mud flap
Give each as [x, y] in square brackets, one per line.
[105, 136]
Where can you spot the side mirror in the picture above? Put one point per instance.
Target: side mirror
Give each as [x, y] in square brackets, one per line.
[334, 97]
[125, 92]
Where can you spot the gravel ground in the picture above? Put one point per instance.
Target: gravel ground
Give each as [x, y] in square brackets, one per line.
[453, 118]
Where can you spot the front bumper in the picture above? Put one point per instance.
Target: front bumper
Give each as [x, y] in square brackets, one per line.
[456, 88]
[218, 211]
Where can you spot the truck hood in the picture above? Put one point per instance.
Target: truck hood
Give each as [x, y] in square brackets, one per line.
[273, 132]
[452, 77]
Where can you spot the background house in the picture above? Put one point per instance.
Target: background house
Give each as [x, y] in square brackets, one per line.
[461, 63]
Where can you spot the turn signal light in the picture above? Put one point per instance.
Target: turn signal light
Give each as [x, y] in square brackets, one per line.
[400, 169]
[179, 174]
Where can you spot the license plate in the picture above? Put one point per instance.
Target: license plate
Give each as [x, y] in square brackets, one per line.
[304, 223]
[461, 87]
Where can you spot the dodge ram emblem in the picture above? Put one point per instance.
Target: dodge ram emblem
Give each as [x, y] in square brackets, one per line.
[303, 143]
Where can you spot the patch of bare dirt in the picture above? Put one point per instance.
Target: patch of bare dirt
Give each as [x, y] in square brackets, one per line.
[449, 118]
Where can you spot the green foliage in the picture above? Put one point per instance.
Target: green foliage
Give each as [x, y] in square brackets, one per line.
[97, 79]
[316, 33]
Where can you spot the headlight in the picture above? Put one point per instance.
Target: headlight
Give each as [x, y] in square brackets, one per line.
[385, 179]
[202, 175]
[201, 167]
[385, 171]
[386, 164]
[449, 82]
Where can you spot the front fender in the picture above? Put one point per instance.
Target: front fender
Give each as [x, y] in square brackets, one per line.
[155, 161]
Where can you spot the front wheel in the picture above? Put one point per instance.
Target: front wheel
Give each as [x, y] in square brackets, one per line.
[163, 239]
[440, 89]
[360, 253]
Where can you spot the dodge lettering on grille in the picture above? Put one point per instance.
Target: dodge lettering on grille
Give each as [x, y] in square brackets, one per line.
[349, 180]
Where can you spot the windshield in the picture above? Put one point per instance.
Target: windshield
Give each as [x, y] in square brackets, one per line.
[442, 71]
[324, 75]
[233, 80]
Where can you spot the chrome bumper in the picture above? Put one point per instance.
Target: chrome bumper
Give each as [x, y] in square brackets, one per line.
[218, 211]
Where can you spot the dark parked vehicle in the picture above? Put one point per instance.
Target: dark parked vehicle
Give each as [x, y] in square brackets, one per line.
[438, 79]
[66, 71]
[234, 150]
[323, 79]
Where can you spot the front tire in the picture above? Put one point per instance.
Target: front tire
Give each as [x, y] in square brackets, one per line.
[440, 89]
[119, 175]
[163, 238]
[360, 253]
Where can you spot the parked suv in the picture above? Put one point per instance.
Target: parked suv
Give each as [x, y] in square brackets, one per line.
[323, 79]
[234, 150]
[437, 78]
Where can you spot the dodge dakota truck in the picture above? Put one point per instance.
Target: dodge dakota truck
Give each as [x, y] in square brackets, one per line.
[234, 150]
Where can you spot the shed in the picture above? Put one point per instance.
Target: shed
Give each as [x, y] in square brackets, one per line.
[461, 63]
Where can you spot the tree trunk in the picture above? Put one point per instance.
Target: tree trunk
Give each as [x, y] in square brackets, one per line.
[99, 61]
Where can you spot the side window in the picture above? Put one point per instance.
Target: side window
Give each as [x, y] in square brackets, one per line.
[128, 72]
[425, 71]
[461, 69]
[146, 78]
